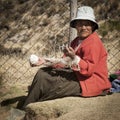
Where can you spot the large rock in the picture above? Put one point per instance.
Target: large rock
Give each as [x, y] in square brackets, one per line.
[76, 108]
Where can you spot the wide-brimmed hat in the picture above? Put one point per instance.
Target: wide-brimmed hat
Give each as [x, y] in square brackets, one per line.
[84, 13]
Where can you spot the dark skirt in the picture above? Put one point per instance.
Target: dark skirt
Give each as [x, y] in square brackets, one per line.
[50, 83]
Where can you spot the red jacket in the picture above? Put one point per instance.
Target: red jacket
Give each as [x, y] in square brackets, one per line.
[93, 74]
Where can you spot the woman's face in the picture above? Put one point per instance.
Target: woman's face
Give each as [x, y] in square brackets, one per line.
[84, 28]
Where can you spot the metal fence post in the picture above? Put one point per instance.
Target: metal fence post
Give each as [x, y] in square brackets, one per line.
[73, 11]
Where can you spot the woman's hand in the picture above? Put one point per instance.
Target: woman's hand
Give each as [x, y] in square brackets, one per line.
[69, 51]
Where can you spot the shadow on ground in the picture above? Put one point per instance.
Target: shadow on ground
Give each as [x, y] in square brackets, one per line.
[19, 99]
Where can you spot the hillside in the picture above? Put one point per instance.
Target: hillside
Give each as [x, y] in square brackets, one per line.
[24, 23]
[41, 27]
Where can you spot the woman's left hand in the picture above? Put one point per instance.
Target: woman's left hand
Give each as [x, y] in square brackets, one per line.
[69, 51]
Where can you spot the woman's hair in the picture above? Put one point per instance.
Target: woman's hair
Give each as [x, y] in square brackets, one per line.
[93, 26]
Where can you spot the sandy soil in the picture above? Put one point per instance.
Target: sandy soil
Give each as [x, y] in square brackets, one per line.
[96, 108]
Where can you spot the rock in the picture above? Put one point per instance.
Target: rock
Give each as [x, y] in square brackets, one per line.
[76, 108]
[16, 114]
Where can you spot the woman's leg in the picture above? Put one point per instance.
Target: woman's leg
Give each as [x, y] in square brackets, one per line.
[66, 85]
[51, 83]
[40, 85]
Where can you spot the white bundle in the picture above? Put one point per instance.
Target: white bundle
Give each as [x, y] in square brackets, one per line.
[51, 61]
[33, 59]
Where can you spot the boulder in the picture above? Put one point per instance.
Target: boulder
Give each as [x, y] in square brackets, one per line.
[76, 108]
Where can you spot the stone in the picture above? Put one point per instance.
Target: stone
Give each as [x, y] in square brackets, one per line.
[73, 108]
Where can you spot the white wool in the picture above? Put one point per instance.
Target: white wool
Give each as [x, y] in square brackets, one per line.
[33, 59]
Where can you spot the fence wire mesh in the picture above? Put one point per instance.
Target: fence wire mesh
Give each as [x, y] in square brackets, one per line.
[40, 35]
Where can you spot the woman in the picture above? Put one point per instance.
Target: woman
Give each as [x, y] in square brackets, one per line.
[87, 58]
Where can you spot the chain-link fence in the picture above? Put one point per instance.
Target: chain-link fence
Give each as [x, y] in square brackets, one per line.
[41, 31]
[113, 48]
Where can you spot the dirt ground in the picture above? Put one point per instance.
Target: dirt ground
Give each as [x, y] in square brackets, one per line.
[96, 108]
[9, 97]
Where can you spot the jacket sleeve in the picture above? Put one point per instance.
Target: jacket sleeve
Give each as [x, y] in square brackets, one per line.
[90, 59]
